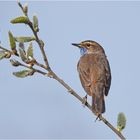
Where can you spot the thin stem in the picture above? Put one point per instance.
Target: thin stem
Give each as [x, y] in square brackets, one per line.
[5, 49]
[35, 70]
[41, 45]
[111, 127]
[41, 65]
[36, 63]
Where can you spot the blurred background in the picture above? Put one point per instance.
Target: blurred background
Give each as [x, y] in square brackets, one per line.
[38, 107]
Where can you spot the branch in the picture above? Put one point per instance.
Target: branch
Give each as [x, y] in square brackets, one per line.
[53, 75]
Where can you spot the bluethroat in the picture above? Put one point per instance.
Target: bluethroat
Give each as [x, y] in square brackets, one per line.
[94, 72]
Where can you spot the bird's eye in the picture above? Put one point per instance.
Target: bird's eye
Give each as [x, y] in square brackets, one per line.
[88, 45]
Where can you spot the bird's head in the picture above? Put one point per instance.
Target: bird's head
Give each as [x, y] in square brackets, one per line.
[89, 46]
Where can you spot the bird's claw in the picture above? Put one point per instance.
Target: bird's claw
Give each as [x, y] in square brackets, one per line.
[98, 117]
[84, 100]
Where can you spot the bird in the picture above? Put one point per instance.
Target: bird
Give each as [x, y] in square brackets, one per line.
[95, 74]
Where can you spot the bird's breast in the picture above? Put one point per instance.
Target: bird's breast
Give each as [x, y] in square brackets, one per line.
[91, 63]
[87, 59]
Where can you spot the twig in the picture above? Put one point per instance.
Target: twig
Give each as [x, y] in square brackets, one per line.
[5, 49]
[35, 70]
[36, 62]
[41, 45]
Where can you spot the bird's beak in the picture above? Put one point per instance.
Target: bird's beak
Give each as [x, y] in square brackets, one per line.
[77, 45]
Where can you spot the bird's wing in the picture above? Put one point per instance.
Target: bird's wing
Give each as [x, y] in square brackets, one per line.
[84, 74]
[95, 71]
[107, 75]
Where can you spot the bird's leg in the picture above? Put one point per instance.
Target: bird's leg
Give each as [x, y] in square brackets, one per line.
[84, 100]
[98, 117]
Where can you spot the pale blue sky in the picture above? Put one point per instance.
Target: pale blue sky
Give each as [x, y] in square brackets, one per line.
[38, 107]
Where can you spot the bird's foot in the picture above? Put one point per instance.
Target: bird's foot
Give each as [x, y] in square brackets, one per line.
[98, 117]
[84, 100]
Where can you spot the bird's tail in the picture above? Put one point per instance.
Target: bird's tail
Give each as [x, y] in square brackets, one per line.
[98, 105]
